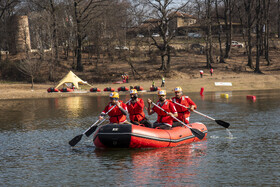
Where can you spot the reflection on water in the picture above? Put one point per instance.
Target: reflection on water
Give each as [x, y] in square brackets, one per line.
[147, 166]
[34, 151]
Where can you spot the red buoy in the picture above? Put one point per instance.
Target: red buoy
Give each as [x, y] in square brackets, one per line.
[201, 91]
[251, 97]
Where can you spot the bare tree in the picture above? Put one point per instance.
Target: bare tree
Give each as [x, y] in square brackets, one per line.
[249, 19]
[208, 38]
[6, 10]
[278, 18]
[30, 67]
[259, 30]
[84, 14]
[266, 9]
[164, 12]
[220, 32]
[51, 7]
[6, 5]
[198, 8]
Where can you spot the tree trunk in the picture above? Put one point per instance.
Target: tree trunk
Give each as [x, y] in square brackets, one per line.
[266, 38]
[32, 82]
[228, 26]
[168, 58]
[221, 58]
[51, 72]
[79, 54]
[163, 66]
[79, 66]
[54, 34]
[278, 21]
[249, 36]
[258, 36]
[209, 57]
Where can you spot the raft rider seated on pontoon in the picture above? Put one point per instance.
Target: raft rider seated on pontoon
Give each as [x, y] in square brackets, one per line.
[118, 113]
[136, 110]
[183, 105]
[164, 119]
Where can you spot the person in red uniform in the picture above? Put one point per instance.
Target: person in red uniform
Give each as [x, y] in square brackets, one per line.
[118, 114]
[164, 120]
[136, 110]
[183, 113]
[201, 73]
[211, 71]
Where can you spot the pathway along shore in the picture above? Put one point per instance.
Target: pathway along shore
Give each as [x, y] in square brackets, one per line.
[189, 84]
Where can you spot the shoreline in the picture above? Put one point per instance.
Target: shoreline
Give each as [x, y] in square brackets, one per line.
[193, 84]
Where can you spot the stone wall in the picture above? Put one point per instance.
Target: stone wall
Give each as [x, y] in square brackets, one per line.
[19, 37]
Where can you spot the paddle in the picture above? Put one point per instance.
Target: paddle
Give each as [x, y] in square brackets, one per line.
[88, 132]
[197, 133]
[219, 122]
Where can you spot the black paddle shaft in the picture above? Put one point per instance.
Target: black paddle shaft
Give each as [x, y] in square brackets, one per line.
[219, 122]
[200, 135]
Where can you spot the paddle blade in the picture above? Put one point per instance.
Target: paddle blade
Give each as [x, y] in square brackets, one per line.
[200, 135]
[222, 123]
[75, 140]
[90, 131]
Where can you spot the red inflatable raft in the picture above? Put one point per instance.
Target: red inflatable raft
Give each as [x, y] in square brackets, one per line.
[95, 90]
[139, 88]
[66, 90]
[153, 89]
[109, 89]
[52, 90]
[123, 89]
[134, 136]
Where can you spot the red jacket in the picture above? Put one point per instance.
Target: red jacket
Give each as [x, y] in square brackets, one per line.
[183, 113]
[135, 110]
[168, 106]
[116, 115]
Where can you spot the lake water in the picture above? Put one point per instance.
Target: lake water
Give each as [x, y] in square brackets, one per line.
[34, 135]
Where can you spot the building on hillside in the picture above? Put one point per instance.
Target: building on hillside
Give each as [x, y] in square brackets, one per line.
[201, 28]
[179, 20]
[151, 26]
[181, 24]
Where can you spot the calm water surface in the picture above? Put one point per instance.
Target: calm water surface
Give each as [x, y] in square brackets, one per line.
[34, 135]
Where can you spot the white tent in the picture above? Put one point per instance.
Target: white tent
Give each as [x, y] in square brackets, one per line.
[72, 78]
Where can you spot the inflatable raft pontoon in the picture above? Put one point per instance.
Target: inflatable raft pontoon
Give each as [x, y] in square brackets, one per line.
[134, 136]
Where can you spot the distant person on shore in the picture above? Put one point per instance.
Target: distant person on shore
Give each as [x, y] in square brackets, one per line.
[123, 78]
[117, 114]
[211, 71]
[126, 78]
[153, 84]
[164, 120]
[183, 112]
[201, 73]
[136, 110]
[162, 81]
